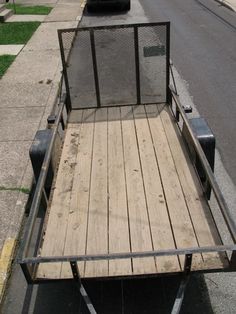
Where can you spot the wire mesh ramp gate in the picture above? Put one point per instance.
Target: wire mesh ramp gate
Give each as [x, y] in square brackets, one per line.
[137, 44]
[116, 65]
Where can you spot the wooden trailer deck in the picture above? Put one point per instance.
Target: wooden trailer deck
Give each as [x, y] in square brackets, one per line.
[125, 183]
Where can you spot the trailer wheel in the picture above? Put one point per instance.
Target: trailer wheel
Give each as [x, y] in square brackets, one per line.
[90, 8]
[127, 6]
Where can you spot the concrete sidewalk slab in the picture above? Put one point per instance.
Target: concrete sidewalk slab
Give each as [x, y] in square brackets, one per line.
[12, 128]
[46, 37]
[12, 204]
[34, 67]
[24, 95]
[64, 12]
[16, 173]
[26, 18]
[10, 49]
[8, 201]
[13, 162]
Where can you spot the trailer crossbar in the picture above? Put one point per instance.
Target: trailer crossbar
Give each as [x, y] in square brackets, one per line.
[97, 257]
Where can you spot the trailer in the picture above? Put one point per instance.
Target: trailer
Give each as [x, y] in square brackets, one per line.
[127, 195]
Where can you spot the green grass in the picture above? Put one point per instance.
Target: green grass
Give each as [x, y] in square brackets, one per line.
[5, 62]
[34, 10]
[20, 189]
[17, 32]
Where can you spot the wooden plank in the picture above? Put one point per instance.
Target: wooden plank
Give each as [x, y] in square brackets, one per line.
[97, 241]
[119, 240]
[178, 211]
[54, 238]
[203, 223]
[75, 243]
[138, 217]
[160, 224]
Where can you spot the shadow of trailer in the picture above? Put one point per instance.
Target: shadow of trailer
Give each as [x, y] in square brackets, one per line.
[130, 188]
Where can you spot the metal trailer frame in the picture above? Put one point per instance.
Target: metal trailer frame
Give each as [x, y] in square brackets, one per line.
[29, 264]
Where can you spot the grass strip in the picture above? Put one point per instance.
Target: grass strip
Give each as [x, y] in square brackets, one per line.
[32, 10]
[17, 32]
[5, 62]
[22, 189]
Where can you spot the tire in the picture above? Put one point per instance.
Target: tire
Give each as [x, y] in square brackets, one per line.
[90, 8]
[127, 6]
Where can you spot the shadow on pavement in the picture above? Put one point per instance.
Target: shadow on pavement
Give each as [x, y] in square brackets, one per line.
[130, 296]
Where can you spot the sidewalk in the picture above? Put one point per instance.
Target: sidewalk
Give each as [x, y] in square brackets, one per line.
[28, 92]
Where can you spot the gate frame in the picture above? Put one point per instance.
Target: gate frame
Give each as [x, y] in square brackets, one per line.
[91, 31]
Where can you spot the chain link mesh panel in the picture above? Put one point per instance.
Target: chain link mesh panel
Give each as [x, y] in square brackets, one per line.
[102, 65]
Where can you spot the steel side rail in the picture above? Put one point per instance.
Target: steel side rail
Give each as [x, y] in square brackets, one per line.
[97, 257]
[209, 173]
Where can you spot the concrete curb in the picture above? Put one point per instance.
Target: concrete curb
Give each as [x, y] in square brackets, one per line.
[226, 4]
[5, 263]
[10, 245]
[11, 49]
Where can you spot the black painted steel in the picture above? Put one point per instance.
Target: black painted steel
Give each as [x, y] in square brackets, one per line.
[96, 81]
[183, 284]
[188, 263]
[87, 300]
[37, 153]
[136, 48]
[75, 271]
[168, 96]
[83, 292]
[64, 66]
[27, 272]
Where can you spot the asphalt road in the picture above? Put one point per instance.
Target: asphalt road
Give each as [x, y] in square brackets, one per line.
[189, 49]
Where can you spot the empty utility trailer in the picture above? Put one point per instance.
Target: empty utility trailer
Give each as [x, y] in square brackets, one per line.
[127, 195]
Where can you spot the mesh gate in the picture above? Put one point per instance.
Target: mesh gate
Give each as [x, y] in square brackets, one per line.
[116, 65]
